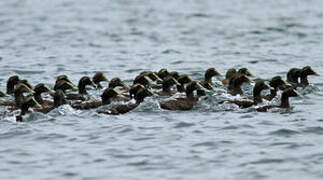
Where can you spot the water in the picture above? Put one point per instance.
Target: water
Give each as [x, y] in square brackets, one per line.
[40, 39]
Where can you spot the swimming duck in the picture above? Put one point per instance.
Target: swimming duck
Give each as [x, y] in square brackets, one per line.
[182, 80]
[293, 75]
[108, 96]
[168, 82]
[18, 94]
[246, 72]
[99, 77]
[289, 92]
[235, 83]
[115, 82]
[144, 80]
[39, 89]
[247, 102]
[276, 82]
[306, 71]
[124, 108]
[174, 74]
[163, 73]
[207, 82]
[228, 75]
[186, 103]
[59, 99]
[63, 77]
[64, 85]
[11, 82]
[134, 89]
[82, 93]
[26, 104]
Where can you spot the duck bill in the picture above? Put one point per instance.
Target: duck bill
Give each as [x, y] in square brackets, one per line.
[105, 78]
[37, 105]
[315, 74]
[298, 94]
[250, 74]
[149, 80]
[268, 86]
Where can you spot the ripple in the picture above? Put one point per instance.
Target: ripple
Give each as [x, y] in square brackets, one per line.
[183, 125]
[284, 132]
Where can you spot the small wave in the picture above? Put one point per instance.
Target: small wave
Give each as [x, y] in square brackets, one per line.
[284, 132]
[184, 124]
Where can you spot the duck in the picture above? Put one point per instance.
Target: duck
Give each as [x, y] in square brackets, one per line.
[39, 89]
[293, 75]
[134, 89]
[306, 71]
[228, 75]
[174, 74]
[64, 85]
[235, 83]
[186, 103]
[63, 77]
[287, 93]
[163, 73]
[11, 83]
[99, 77]
[26, 104]
[246, 72]
[207, 82]
[276, 82]
[82, 93]
[248, 102]
[59, 99]
[168, 82]
[182, 80]
[124, 108]
[109, 95]
[18, 95]
[115, 82]
[143, 80]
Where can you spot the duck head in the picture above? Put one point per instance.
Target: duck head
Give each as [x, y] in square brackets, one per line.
[11, 82]
[246, 72]
[141, 94]
[135, 88]
[307, 70]
[108, 94]
[191, 87]
[42, 88]
[174, 74]
[153, 76]
[64, 85]
[278, 82]
[98, 77]
[83, 82]
[169, 82]
[144, 80]
[115, 82]
[230, 73]
[162, 73]
[209, 73]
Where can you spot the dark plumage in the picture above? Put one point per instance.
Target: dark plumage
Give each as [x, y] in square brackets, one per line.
[289, 92]
[168, 82]
[18, 94]
[82, 93]
[248, 102]
[26, 104]
[143, 80]
[11, 82]
[115, 82]
[186, 103]
[182, 80]
[229, 74]
[124, 108]
[64, 85]
[39, 89]
[276, 82]
[109, 95]
[207, 82]
[234, 87]
[99, 77]
[59, 99]
[306, 71]
[163, 73]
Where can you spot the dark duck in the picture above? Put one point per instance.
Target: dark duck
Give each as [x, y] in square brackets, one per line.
[306, 71]
[19, 91]
[186, 103]
[143, 80]
[256, 99]
[62, 78]
[24, 108]
[277, 83]
[163, 73]
[39, 90]
[168, 83]
[59, 99]
[182, 80]
[124, 108]
[11, 83]
[82, 92]
[235, 83]
[109, 95]
[98, 78]
[64, 86]
[116, 82]
[207, 82]
[287, 93]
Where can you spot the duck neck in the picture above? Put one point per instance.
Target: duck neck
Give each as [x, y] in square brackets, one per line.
[237, 89]
[10, 88]
[257, 95]
[106, 101]
[38, 97]
[189, 94]
[284, 101]
[304, 80]
[82, 89]
[166, 88]
[180, 88]
[208, 78]
[18, 98]
[273, 93]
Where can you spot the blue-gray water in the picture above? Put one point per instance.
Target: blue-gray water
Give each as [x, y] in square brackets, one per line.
[40, 39]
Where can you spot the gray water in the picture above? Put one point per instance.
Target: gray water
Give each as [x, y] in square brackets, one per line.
[41, 39]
